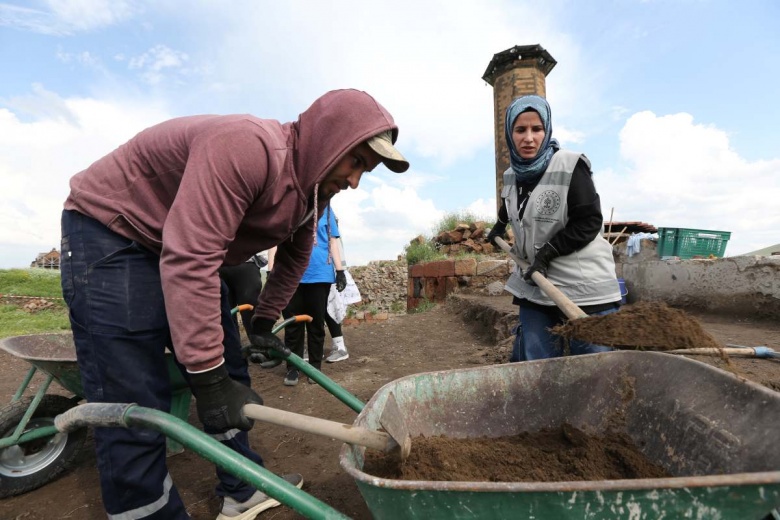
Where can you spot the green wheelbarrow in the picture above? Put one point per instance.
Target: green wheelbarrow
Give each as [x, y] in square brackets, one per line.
[32, 451]
[714, 432]
[41, 435]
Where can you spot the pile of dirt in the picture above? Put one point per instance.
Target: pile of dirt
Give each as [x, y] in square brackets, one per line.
[641, 326]
[561, 454]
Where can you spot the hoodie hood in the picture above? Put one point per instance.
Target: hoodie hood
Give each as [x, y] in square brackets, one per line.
[332, 126]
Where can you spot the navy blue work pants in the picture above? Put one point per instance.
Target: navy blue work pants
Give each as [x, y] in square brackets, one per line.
[117, 312]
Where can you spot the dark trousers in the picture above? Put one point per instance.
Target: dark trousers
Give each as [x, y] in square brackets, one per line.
[311, 299]
[244, 285]
[334, 327]
[117, 313]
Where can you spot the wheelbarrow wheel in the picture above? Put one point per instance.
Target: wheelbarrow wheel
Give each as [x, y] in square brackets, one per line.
[27, 466]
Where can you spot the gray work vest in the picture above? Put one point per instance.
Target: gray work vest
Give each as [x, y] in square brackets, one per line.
[587, 276]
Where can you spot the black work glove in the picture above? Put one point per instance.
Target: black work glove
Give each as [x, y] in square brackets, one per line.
[341, 281]
[263, 342]
[546, 254]
[497, 230]
[219, 400]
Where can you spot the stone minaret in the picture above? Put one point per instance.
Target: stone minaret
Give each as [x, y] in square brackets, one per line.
[514, 72]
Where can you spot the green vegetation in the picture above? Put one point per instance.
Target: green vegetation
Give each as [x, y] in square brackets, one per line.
[426, 252]
[424, 306]
[450, 220]
[398, 307]
[43, 283]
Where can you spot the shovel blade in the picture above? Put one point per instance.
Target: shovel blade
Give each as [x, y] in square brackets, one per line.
[394, 424]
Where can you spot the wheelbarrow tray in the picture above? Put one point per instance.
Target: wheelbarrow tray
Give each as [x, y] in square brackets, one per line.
[55, 354]
[715, 432]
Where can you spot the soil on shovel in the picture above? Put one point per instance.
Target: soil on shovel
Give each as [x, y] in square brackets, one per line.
[561, 454]
[641, 326]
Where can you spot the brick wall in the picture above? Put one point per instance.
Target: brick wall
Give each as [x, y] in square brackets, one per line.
[434, 281]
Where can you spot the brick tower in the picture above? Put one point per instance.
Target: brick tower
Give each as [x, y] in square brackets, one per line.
[518, 71]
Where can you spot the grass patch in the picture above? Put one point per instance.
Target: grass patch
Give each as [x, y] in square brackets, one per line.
[424, 306]
[42, 283]
[31, 282]
[426, 252]
[15, 321]
[449, 221]
[397, 307]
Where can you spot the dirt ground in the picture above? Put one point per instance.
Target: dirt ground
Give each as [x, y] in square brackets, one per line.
[380, 352]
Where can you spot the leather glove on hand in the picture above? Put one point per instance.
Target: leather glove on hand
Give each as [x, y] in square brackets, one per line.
[263, 342]
[219, 400]
[497, 230]
[341, 281]
[546, 254]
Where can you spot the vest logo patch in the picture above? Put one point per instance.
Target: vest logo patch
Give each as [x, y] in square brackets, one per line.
[548, 202]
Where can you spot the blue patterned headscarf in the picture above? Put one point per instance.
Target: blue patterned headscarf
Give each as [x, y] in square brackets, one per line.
[529, 170]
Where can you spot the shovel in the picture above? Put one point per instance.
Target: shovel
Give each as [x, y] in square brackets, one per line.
[569, 308]
[396, 439]
[759, 352]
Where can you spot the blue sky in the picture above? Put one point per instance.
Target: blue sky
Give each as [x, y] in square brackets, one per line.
[674, 102]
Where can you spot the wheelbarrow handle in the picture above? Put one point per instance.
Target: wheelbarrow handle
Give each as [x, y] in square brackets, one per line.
[134, 416]
[93, 414]
[569, 308]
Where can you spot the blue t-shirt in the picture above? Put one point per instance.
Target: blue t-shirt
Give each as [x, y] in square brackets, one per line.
[319, 270]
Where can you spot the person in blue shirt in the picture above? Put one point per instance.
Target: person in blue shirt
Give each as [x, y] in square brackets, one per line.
[311, 296]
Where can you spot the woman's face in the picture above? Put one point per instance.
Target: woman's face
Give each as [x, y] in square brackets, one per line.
[528, 134]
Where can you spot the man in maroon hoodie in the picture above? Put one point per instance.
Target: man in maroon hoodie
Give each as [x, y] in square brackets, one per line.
[144, 232]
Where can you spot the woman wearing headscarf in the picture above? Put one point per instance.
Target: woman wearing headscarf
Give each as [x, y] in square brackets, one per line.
[551, 203]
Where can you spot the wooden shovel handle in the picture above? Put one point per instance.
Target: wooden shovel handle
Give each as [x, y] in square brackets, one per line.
[569, 308]
[343, 432]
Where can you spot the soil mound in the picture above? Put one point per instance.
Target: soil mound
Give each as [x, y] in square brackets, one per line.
[641, 326]
[561, 454]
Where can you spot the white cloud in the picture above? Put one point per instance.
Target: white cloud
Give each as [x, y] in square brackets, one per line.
[63, 17]
[426, 69]
[158, 60]
[38, 157]
[380, 218]
[682, 174]
[483, 208]
[82, 15]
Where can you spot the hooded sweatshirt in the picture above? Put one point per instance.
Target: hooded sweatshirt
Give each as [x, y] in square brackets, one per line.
[205, 190]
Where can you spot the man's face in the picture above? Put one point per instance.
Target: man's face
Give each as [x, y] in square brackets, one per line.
[347, 172]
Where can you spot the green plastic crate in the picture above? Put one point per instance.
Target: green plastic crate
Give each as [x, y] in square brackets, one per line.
[687, 243]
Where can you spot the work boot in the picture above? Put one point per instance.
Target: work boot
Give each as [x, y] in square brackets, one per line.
[291, 379]
[338, 351]
[254, 505]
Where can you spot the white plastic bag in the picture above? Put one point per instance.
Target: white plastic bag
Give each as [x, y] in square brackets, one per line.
[338, 301]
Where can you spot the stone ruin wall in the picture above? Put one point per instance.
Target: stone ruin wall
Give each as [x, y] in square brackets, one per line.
[741, 286]
[382, 284]
[744, 286]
